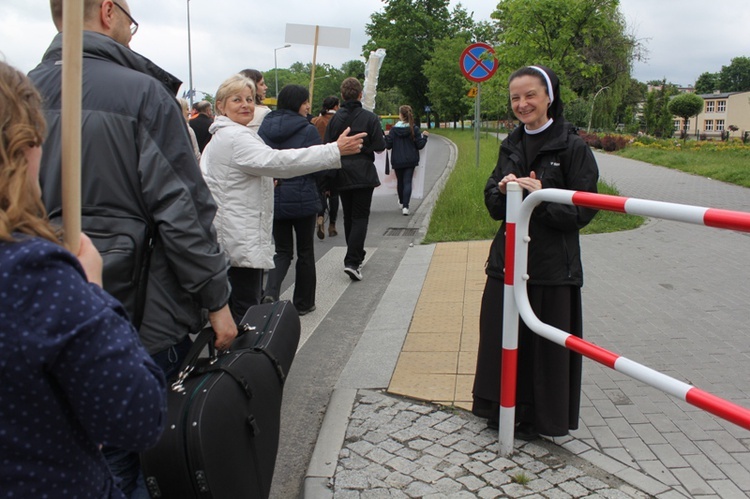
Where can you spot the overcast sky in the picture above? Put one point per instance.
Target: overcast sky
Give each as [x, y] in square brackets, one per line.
[684, 37]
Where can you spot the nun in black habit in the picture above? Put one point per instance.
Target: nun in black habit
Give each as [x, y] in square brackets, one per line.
[545, 152]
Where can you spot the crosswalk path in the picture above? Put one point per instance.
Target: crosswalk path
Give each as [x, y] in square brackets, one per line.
[332, 282]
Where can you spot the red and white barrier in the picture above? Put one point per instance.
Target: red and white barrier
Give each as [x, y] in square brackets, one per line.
[711, 217]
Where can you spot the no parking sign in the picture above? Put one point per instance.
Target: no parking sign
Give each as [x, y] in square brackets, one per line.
[475, 65]
[478, 63]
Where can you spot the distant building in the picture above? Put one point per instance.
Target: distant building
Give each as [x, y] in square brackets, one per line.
[720, 111]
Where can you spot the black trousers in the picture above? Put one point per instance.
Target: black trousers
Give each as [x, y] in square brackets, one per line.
[284, 234]
[356, 204]
[247, 287]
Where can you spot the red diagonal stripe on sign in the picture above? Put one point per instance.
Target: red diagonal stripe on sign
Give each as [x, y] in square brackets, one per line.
[478, 63]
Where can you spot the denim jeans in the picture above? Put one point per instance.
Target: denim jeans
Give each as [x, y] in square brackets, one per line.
[403, 185]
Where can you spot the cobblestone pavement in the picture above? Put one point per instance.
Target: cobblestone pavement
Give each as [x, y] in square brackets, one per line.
[396, 447]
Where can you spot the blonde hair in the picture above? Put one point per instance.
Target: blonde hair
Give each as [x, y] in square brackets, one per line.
[185, 106]
[22, 126]
[231, 86]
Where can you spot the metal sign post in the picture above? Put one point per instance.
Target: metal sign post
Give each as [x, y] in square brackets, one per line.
[478, 63]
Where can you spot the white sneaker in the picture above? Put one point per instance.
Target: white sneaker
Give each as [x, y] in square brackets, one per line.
[405, 211]
[354, 274]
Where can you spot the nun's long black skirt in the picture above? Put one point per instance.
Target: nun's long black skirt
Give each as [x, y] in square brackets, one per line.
[548, 391]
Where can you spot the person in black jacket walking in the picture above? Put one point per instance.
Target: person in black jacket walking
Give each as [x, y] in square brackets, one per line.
[296, 200]
[406, 140]
[544, 153]
[357, 178]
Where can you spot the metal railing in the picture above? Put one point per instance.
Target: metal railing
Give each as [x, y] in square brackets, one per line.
[517, 302]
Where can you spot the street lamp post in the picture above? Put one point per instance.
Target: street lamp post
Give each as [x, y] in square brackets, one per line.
[190, 58]
[276, 68]
[591, 116]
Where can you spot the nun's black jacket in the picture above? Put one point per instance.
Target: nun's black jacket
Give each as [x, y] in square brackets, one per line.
[563, 162]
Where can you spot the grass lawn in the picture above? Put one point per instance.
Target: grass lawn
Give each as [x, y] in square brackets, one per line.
[712, 160]
[459, 213]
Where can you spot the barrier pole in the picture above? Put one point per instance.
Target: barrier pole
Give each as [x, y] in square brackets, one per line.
[724, 219]
[509, 355]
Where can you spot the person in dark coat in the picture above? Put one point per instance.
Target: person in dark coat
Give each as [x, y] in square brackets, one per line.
[139, 174]
[405, 140]
[357, 178]
[329, 195]
[544, 153]
[201, 123]
[296, 200]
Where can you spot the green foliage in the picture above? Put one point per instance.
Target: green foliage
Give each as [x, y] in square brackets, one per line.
[656, 114]
[460, 214]
[327, 79]
[685, 106]
[447, 85]
[736, 76]
[707, 83]
[725, 161]
[407, 30]
[584, 41]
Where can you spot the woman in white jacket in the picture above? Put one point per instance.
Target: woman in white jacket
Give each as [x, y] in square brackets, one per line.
[239, 169]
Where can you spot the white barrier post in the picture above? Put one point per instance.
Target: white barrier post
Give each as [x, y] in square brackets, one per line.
[509, 361]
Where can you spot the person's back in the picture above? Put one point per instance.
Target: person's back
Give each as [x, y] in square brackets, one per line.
[137, 164]
[357, 178]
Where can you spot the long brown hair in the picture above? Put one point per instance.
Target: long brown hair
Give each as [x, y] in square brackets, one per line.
[406, 112]
[22, 126]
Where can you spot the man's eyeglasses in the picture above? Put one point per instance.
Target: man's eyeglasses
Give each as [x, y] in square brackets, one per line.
[133, 22]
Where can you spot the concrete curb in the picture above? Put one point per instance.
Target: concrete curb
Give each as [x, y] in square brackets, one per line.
[325, 457]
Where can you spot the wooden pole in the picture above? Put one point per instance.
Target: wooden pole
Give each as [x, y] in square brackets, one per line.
[71, 122]
[312, 71]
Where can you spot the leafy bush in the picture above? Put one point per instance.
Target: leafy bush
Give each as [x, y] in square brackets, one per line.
[608, 142]
[614, 142]
[591, 139]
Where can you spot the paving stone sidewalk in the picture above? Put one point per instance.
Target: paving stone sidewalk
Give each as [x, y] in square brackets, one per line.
[397, 447]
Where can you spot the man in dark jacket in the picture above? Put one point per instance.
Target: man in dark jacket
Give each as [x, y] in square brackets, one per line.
[357, 178]
[138, 168]
[201, 123]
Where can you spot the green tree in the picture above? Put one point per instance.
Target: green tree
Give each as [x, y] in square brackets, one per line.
[736, 76]
[664, 126]
[447, 86]
[649, 113]
[685, 106]
[584, 41]
[407, 30]
[707, 83]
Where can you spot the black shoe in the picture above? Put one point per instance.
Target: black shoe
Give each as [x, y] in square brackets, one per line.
[526, 431]
[305, 312]
[493, 424]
